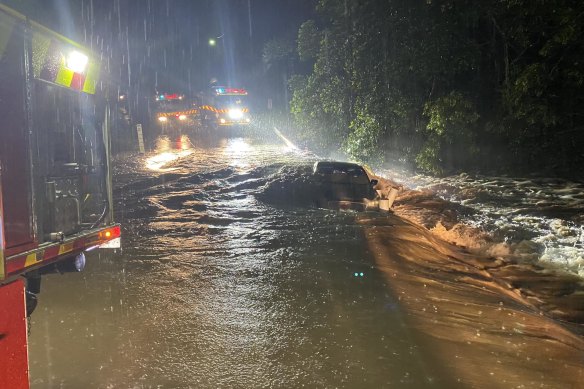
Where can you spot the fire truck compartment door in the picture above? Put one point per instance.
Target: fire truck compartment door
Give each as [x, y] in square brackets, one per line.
[14, 144]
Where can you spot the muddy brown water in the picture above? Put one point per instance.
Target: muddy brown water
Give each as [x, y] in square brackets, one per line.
[229, 278]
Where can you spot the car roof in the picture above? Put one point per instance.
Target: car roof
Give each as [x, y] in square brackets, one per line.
[336, 163]
[328, 166]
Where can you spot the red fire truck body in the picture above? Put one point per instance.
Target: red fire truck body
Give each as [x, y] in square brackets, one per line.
[55, 180]
[175, 113]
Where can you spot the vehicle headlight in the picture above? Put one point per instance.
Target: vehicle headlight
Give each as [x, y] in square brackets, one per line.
[182, 117]
[222, 121]
[162, 119]
[235, 113]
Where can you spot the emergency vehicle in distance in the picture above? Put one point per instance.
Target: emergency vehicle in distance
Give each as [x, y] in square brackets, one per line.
[55, 179]
[174, 112]
[226, 107]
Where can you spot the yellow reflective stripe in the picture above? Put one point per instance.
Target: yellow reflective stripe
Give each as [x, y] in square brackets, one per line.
[65, 248]
[225, 110]
[33, 259]
[190, 112]
[64, 77]
[91, 78]
[209, 108]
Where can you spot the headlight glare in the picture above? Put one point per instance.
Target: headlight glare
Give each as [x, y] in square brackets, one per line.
[235, 113]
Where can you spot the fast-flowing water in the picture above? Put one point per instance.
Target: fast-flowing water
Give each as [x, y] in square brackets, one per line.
[231, 278]
[538, 219]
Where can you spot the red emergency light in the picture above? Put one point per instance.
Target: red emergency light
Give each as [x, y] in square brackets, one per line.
[236, 91]
[169, 96]
[230, 91]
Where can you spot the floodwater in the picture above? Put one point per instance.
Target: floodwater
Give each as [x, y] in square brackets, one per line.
[539, 219]
[230, 278]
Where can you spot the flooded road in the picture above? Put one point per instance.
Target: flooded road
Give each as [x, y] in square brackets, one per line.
[230, 278]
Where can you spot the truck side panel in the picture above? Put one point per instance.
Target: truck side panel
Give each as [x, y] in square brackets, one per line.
[14, 151]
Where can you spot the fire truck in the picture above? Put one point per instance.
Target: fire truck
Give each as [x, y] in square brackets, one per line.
[225, 107]
[55, 179]
[174, 113]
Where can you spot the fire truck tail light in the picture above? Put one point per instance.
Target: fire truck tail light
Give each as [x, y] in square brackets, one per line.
[110, 233]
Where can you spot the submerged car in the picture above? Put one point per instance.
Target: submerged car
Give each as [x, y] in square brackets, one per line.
[343, 182]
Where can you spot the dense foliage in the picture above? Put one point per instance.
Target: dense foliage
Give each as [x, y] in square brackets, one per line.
[444, 86]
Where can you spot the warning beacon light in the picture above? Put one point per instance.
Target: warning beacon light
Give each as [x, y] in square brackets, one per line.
[230, 91]
[77, 61]
[169, 96]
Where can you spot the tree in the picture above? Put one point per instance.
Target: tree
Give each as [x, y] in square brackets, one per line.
[309, 40]
[446, 85]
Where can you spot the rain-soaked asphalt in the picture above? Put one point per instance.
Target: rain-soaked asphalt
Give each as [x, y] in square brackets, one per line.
[230, 278]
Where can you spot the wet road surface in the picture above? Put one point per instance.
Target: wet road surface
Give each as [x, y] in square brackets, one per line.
[228, 280]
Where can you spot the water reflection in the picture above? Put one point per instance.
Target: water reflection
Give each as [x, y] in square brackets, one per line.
[167, 151]
[237, 149]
